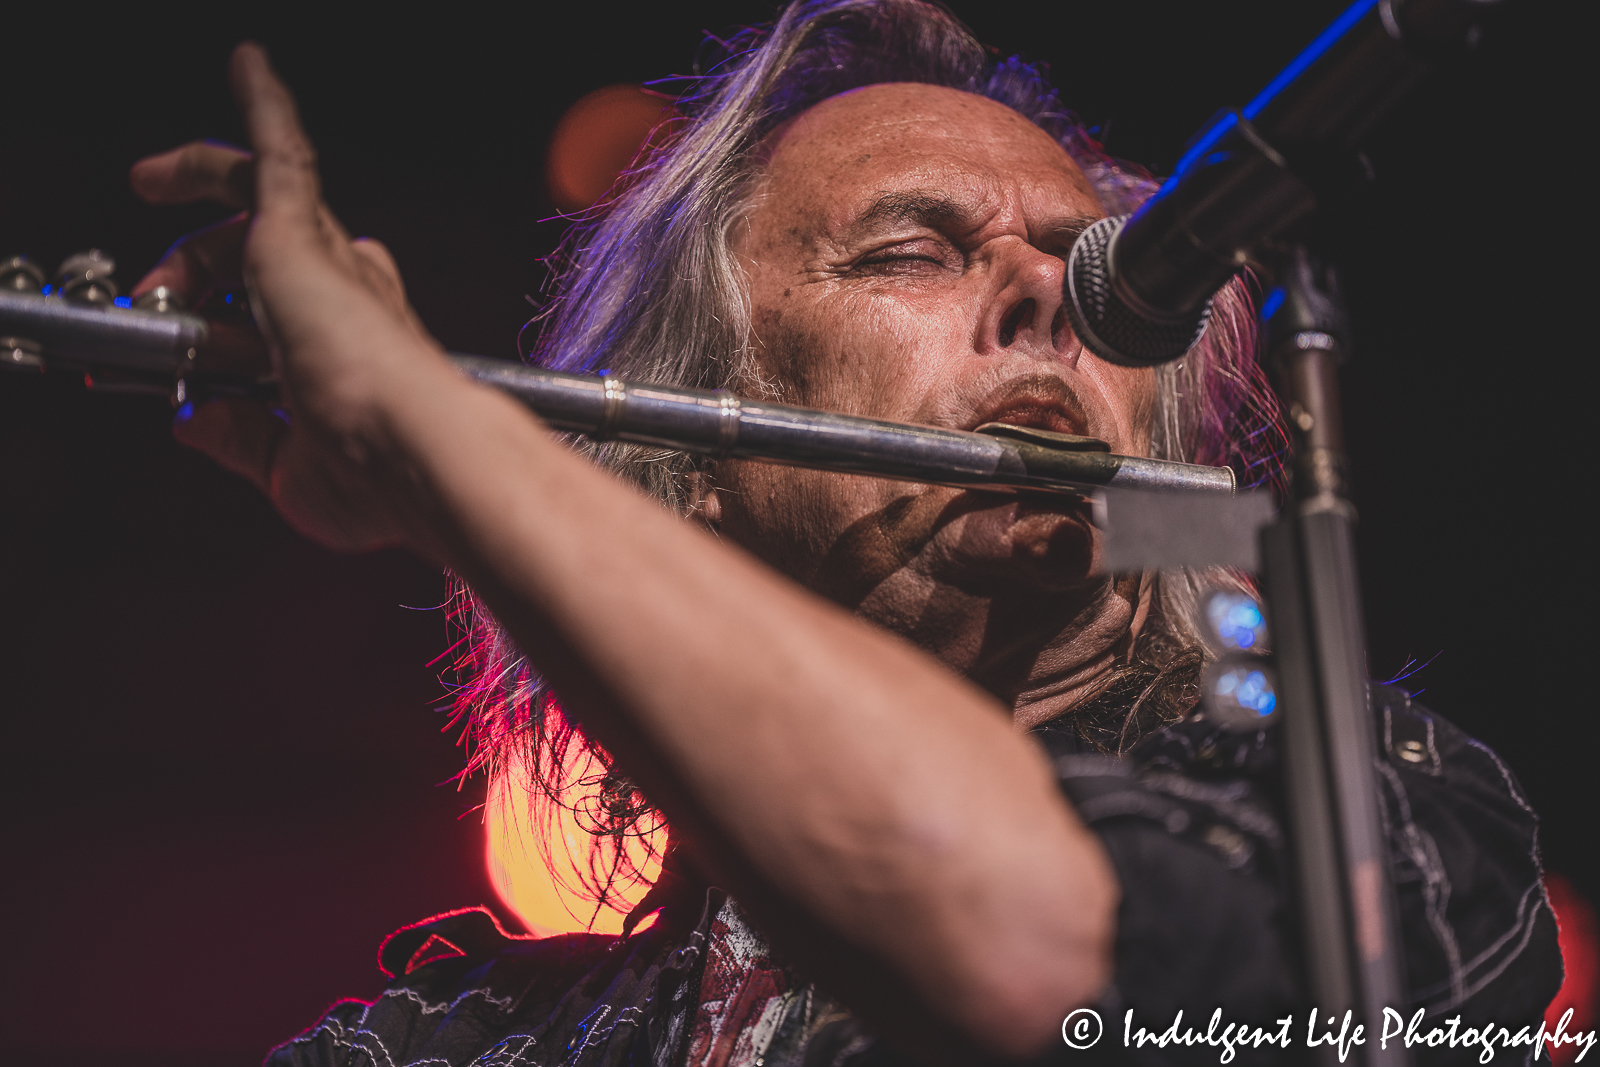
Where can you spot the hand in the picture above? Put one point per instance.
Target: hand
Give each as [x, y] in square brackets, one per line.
[332, 311]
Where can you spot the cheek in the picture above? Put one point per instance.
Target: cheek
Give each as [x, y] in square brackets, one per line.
[1142, 407]
[1130, 397]
[804, 522]
[859, 353]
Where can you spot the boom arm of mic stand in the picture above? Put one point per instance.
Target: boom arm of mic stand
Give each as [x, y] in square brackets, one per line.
[1252, 174]
[1141, 293]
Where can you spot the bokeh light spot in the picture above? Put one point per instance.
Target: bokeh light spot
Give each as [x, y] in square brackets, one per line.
[535, 864]
[1579, 938]
[1241, 692]
[1236, 620]
[596, 140]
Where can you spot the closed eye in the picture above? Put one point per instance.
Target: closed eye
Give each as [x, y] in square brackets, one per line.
[911, 257]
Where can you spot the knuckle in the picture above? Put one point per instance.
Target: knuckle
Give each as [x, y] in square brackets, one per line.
[297, 152]
[375, 250]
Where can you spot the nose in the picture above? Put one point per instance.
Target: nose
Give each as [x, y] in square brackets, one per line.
[1024, 307]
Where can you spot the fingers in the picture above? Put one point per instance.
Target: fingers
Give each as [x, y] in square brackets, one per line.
[241, 435]
[287, 188]
[204, 260]
[200, 170]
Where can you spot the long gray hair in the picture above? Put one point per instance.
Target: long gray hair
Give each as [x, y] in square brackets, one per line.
[647, 288]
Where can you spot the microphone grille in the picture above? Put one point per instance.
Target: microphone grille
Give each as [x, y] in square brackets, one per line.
[1107, 323]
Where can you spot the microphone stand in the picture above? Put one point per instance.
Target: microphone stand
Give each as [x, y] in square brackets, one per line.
[1353, 956]
[1140, 290]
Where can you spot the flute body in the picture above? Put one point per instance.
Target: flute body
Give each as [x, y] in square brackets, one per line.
[167, 349]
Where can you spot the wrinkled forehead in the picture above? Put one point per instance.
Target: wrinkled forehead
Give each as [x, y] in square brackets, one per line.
[851, 149]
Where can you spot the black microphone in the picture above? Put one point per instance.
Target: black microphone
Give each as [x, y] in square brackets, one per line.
[1139, 287]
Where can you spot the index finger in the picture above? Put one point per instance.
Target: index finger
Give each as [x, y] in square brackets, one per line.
[201, 170]
[287, 187]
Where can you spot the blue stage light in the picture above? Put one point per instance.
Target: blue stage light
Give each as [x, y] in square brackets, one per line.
[1270, 306]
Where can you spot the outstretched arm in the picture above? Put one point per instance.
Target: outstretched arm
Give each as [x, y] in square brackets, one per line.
[875, 811]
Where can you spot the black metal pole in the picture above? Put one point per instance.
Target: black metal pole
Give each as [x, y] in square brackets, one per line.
[1353, 955]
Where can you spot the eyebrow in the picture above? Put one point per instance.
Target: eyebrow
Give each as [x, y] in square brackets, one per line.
[927, 208]
[934, 209]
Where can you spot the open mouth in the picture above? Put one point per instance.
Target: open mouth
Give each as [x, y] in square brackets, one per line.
[1040, 403]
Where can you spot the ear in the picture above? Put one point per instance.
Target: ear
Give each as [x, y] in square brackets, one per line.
[705, 506]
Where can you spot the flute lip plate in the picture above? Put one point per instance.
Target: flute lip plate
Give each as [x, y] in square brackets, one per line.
[1064, 442]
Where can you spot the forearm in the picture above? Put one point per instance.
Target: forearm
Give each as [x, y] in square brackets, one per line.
[822, 768]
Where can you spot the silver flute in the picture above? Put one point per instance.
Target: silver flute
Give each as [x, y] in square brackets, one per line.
[141, 350]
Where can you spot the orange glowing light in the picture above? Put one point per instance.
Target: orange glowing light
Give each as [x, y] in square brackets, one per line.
[596, 140]
[549, 898]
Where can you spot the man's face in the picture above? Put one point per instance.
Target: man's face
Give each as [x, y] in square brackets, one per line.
[904, 256]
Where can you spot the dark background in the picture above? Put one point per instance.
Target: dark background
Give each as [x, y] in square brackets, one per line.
[225, 777]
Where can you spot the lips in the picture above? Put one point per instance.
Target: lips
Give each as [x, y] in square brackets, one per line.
[1041, 403]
